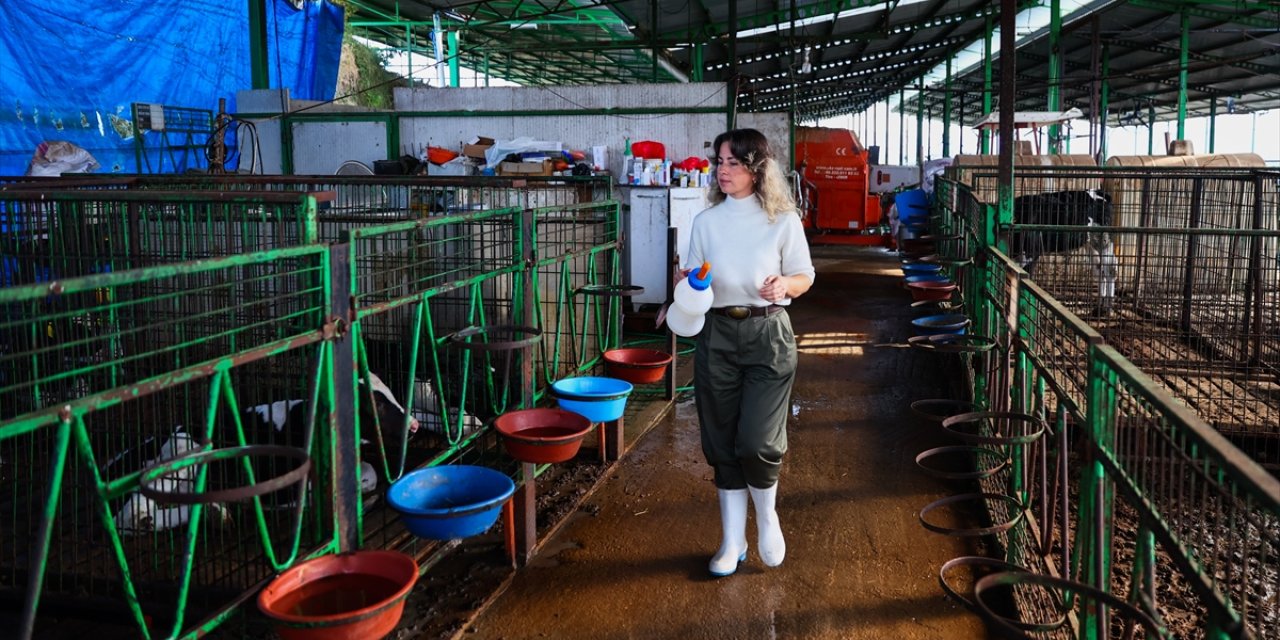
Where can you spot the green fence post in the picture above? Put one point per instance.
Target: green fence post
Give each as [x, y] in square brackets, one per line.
[343, 423]
[1095, 523]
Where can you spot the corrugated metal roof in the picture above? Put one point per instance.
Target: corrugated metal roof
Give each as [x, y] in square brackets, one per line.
[829, 57]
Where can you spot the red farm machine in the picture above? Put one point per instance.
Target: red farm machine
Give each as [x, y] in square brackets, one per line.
[842, 205]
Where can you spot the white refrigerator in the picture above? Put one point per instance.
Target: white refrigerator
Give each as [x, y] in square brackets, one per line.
[650, 210]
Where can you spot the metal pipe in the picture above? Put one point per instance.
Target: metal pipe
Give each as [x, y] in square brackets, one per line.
[1184, 47]
[437, 43]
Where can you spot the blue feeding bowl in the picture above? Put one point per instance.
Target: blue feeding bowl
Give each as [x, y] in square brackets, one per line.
[450, 501]
[928, 277]
[599, 399]
[950, 323]
[920, 268]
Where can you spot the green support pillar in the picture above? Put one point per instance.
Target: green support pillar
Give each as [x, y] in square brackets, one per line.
[1103, 104]
[696, 76]
[1184, 48]
[408, 53]
[1055, 72]
[946, 113]
[1213, 122]
[902, 126]
[920, 124]
[1151, 129]
[486, 68]
[261, 77]
[984, 136]
[454, 69]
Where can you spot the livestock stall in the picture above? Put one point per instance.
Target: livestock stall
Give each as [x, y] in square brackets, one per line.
[147, 322]
[1135, 441]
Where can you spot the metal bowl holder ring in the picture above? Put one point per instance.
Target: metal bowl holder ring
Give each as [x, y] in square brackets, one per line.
[611, 291]
[623, 290]
[1033, 430]
[1015, 629]
[997, 566]
[262, 487]
[939, 409]
[522, 337]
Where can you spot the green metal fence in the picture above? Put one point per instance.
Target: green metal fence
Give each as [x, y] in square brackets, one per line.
[1131, 490]
[255, 350]
[101, 379]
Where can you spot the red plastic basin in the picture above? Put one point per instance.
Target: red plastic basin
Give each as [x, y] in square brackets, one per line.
[637, 366]
[542, 435]
[931, 290]
[348, 596]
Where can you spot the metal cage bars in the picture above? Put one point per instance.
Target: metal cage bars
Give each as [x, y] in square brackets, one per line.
[1055, 367]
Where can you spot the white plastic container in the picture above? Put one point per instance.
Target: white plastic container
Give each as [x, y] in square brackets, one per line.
[693, 298]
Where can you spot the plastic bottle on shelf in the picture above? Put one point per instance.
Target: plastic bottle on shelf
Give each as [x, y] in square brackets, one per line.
[626, 163]
[693, 298]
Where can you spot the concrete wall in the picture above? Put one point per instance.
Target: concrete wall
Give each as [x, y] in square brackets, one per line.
[510, 112]
[683, 134]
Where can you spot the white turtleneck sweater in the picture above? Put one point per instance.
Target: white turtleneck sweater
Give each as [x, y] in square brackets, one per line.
[744, 248]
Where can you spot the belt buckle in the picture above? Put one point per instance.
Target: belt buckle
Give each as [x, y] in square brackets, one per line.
[738, 313]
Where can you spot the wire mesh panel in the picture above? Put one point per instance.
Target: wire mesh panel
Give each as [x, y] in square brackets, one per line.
[1214, 516]
[418, 283]
[578, 262]
[1190, 532]
[101, 381]
[50, 234]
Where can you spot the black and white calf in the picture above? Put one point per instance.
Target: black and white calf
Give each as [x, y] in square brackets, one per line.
[1084, 208]
[141, 514]
[279, 422]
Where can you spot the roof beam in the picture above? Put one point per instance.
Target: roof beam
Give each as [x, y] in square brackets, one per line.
[1200, 57]
[1236, 14]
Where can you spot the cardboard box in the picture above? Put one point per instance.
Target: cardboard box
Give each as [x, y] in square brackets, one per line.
[542, 168]
[476, 150]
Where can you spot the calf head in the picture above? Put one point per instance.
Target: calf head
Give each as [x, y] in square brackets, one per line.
[390, 415]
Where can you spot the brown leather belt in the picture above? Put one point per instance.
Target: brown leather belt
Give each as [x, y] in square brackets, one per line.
[744, 312]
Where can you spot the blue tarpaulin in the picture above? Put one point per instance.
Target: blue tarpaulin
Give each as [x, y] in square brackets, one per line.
[70, 69]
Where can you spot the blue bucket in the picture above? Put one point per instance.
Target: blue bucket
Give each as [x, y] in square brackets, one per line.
[928, 277]
[920, 268]
[450, 501]
[950, 323]
[599, 399]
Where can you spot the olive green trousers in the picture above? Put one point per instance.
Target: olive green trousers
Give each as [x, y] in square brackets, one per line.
[743, 371]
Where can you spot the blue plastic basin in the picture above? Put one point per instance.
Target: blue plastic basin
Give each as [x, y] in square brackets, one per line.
[950, 323]
[928, 277]
[920, 268]
[599, 399]
[451, 501]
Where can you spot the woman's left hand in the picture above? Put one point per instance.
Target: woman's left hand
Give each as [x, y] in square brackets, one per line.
[774, 289]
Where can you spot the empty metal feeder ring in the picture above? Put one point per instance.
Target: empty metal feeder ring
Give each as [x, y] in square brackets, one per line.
[1031, 427]
[1010, 579]
[977, 452]
[998, 566]
[1015, 507]
[939, 409]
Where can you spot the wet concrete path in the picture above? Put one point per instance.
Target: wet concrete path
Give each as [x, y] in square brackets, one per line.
[632, 563]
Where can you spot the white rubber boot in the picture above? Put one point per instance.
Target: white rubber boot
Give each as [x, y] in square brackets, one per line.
[733, 528]
[773, 548]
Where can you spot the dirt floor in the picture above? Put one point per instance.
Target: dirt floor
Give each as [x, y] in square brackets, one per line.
[632, 563]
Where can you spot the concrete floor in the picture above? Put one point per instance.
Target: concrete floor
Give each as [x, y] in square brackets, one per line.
[632, 563]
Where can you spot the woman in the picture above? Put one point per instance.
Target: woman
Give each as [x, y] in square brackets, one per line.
[746, 353]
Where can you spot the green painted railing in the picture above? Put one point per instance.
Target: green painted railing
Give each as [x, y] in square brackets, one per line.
[1130, 490]
[130, 351]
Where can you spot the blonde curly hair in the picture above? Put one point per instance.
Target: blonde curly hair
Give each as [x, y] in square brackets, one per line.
[752, 149]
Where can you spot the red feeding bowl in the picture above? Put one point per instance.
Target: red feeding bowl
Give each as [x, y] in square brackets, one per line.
[340, 597]
[542, 435]
[637, 366]
[931, 290]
